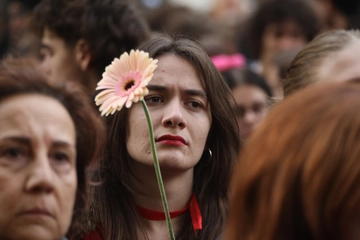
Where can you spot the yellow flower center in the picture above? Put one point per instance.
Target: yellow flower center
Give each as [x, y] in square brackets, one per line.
[129, 84]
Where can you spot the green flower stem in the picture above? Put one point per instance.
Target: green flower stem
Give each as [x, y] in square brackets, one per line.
[158, 171]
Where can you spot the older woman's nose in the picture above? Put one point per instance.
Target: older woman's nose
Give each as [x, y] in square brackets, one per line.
[173, 115]
[40, 175]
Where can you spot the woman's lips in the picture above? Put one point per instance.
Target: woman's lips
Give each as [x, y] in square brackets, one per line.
[171, 140]
[37, 212]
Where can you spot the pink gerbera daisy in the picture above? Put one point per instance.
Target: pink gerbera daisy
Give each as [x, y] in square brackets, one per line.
[124, 81]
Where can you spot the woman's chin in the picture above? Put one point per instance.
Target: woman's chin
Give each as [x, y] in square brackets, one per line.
[35, 232]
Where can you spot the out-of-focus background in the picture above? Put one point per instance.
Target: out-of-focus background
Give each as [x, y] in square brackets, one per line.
[267, 33]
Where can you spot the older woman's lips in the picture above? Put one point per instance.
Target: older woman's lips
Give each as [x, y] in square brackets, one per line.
[171, 140]
[37, 212]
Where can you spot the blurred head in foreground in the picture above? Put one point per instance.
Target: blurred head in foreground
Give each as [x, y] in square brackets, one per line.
[298, 176]
[332, 56]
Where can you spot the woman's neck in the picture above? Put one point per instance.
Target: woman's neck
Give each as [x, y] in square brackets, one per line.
[178, 188]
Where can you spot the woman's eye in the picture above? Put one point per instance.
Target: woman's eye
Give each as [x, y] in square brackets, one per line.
[259, 107]
[61, 157]
[195, 104]
[45, 53]
[13, 152]
[153, 99]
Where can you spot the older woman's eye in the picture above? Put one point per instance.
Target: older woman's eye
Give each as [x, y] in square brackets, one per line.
[61, 157]
[13, 152]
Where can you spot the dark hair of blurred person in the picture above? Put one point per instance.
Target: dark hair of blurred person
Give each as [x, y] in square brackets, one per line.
[36, 205]
[332, 56]
[81, 37]
[276, 26]
[298, 176]
[280, 25]
[18, 39]
[339, 14]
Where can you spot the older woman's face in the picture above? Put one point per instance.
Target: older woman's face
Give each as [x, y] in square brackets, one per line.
[37, 168]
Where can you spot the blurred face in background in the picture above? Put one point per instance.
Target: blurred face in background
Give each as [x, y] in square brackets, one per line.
[251, 108]
[58, 59]
[280, 37]
[19, 20]
[38, 178]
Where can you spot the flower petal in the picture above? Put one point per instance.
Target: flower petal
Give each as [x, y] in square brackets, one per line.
[124, 81]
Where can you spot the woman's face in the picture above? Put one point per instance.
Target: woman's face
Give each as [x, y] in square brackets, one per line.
[280, 37]
[37, 168]
[251, 108]
[180, 114]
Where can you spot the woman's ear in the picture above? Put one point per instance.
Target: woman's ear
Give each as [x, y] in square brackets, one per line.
[82, 54]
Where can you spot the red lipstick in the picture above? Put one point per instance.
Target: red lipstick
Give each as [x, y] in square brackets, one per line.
[171, 140]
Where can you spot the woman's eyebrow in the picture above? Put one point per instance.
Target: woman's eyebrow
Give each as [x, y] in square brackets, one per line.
[18, 139]
[63, 144]
[191, 92]
[158, 88]
[196, 92]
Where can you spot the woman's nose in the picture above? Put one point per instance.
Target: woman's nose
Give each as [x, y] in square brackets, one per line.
[173, 115]
[40, 176]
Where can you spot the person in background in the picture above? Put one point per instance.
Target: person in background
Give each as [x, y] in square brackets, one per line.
[252, 96]
[298, 176]
[197, 144]
[175, 20]
[232, 12]
[332, 56]
[80, 38]
[339, 14]
[18, 40]
[282, 63]
[276, 26]
[49, 135]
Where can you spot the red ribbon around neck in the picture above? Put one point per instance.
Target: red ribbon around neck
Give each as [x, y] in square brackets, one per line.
[159, 216]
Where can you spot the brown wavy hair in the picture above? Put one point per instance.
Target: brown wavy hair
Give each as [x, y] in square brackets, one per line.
[298, 176]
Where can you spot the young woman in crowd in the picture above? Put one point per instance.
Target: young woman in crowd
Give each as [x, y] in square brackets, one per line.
[188, 105]
[252, 98]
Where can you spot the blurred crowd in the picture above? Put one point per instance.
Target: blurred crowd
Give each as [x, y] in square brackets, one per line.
[296, 154]
[267, 35]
